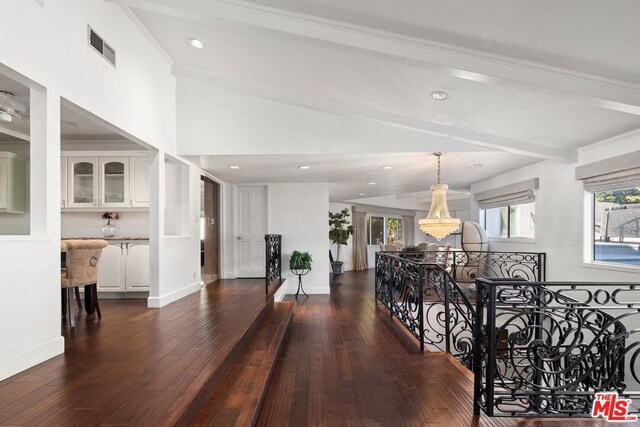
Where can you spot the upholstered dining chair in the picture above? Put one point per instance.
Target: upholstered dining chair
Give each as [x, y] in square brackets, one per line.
[473, 262]
[81, 270]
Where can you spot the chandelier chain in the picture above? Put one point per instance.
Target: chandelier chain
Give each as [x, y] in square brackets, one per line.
[439, 181]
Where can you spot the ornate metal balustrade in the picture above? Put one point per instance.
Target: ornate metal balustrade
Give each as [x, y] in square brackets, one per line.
[419, 289]
[273, 270]
[544, 349]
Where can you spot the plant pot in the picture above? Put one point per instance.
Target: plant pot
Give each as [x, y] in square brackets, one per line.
[336, 268]
[108, 230]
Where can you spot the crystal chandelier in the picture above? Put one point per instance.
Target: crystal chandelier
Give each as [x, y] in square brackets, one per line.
[439, 223]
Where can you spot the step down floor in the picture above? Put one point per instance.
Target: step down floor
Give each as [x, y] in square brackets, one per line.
[238, 398]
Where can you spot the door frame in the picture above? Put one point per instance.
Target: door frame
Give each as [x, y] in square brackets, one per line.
[217, 259]
[267, 217]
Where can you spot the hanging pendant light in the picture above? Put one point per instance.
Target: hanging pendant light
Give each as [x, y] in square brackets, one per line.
[439, 223]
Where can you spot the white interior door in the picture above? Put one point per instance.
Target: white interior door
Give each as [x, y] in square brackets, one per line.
[250, 228]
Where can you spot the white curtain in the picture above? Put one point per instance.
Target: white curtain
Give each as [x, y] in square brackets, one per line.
[611, 174]
[360, 261]
[513, 194]
[408, 230]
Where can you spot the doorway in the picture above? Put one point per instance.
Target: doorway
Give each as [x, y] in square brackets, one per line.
[210, 230]
[250, 228]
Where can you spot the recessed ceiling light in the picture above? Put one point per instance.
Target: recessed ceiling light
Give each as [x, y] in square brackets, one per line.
[385, 167]
[439, 95]
[475, 166]
[234, 167]
[360, 194]
[198, 44]
[303, 167]
[371, 183]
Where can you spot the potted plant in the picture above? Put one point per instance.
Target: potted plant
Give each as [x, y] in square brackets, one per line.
[339, 233]
[300, 265]
[300, 261]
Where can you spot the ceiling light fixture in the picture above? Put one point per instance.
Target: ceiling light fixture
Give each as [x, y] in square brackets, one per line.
[385, 167]
[303, 167]
[234, 167]
[360, 194]
[371, 183]
[439, 95]
[478, 166]
[439, 223]
[198, 44]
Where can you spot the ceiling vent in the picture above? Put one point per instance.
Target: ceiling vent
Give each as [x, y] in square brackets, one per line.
[102, 47]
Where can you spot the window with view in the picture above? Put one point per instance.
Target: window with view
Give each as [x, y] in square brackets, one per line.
[617, 226]
[382, 230]
[517, 221]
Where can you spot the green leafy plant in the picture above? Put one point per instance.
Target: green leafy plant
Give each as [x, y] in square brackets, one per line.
[339, 231]
[300, 260]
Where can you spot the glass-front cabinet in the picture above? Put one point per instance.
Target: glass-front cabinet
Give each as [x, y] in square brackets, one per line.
[82, 182]
[114, 182]
[94, 182]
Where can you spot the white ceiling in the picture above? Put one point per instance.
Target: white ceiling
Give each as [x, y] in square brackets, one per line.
[349, 175]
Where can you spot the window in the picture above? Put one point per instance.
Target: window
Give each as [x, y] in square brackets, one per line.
[382, 230]
[510, 222]
[616, 225]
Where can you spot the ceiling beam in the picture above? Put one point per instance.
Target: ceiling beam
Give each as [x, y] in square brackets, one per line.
[375, 114]
[467, 64]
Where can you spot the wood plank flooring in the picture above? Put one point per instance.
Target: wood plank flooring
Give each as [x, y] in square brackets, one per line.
[135, 366]
[346, 364]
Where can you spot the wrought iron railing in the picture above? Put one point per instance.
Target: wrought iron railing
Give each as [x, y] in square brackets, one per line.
[545, 349]
[420, 290]
[273, 268]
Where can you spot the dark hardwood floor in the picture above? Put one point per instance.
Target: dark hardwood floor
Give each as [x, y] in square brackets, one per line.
[346, 364]
[135, 366]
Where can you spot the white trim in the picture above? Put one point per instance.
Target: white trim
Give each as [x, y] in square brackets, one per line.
[610, 141]
[162, 300]
[526, 240]
[26, 238]
[602, 265]
[37, 354]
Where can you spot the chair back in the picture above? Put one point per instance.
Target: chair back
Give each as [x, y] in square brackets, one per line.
[82, 262]
[390, 247]
[431, 253]
[474, 242]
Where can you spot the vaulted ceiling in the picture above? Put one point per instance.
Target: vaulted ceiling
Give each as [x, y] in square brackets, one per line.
[531, 80]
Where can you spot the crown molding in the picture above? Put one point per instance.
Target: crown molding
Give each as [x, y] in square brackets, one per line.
[372, 113]
[633, 134]
[463, 63]
[147, 35]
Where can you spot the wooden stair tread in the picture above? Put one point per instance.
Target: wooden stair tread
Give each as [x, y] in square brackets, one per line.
[238, 398]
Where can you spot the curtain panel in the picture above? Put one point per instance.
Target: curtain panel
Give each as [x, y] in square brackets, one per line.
[360, 261]
[408, 230]
[611, 174]
[512, 194]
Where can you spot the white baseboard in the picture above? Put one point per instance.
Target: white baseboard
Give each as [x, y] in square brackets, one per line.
[162, 300]
[318, 290]
[38, 354]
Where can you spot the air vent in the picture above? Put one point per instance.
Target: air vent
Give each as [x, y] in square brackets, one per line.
[100, 46]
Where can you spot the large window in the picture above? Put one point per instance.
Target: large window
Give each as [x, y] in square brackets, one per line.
[517, 221]
[617, 226]
[384, 229]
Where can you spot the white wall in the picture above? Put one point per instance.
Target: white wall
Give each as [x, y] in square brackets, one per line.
[136, 98]
[299, 212]
[346, 251]
[560, 210]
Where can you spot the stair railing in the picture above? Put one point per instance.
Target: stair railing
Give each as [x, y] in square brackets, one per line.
[273, 264]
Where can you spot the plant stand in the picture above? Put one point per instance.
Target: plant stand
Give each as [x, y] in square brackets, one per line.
[300, 272]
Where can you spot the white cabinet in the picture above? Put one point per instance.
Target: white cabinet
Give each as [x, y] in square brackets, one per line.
[124, 267]
[139, 182]
[114, 182]
[82, 182]
[104, 182]
[13, 183]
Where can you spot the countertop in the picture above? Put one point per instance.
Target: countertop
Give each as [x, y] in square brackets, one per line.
[108, 238]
